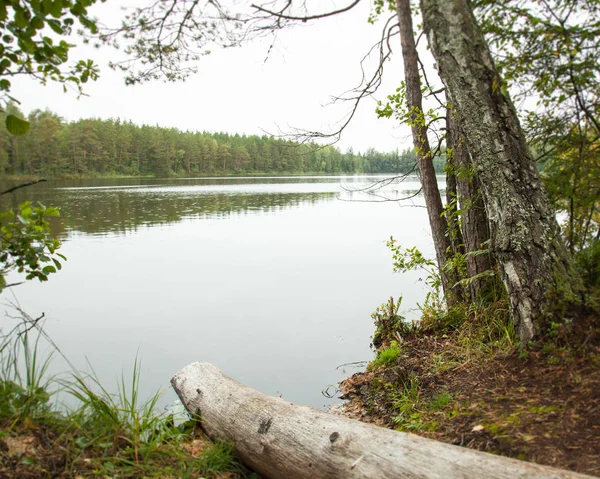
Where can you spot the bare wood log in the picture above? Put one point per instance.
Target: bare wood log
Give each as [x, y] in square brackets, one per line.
[282, 440]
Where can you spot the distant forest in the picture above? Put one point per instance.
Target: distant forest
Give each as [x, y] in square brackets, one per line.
[55, 148]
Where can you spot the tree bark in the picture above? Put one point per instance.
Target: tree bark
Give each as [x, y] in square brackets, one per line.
[452, 217]
[281, 440]
[414, 101]
[534, 263]
[473, 219]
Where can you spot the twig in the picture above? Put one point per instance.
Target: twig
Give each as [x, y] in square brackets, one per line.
[24, 185]
[305, 18]
[355, 363]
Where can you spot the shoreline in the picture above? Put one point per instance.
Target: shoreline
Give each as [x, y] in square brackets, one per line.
[450, 384]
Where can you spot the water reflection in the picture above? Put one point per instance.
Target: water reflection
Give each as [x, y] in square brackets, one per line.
[103, 207]
[273, 280]
[114, 210]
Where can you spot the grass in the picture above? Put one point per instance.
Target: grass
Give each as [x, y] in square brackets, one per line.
[387, 356]
[440, 401]
[459, 338]
[106, 434]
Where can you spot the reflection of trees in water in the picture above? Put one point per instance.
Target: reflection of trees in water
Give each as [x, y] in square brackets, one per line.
[112, 211]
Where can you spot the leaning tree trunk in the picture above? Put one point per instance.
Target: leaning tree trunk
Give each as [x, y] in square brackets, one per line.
[525, 240]
[473, 217]
[414, 101]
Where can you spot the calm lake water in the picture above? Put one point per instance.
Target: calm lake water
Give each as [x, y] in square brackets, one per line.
[271, 279]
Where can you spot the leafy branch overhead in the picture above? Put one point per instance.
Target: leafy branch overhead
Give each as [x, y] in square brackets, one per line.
[164, 39]
[26, 244]
[33, 43]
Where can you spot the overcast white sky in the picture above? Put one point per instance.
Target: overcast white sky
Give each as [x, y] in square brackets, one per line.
[236, 91]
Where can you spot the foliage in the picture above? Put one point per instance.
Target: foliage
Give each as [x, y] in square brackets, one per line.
[588, 260]
[389, 325]
[411, 259]
[33, 43]
[572, 176]
[91, 147]
[26, 244]
[219, 457]
[550, 51]
[396, 106]
[378, 6]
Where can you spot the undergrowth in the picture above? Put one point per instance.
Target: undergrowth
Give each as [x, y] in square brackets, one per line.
[106, 434]
[470, 334]
[409, 382]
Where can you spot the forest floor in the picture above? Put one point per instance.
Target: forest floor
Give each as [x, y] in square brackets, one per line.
[542, 405]
[38, 449]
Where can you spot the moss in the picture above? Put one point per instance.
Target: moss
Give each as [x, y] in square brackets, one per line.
[543, 409]
[440, 401]
[493, 429]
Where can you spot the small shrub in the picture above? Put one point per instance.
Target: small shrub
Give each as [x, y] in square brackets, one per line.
[389, 325]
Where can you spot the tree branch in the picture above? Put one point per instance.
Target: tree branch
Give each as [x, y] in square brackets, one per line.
[306, 18]
[24, 185]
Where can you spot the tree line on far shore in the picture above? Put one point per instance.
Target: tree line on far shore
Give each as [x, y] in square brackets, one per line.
[57, 148]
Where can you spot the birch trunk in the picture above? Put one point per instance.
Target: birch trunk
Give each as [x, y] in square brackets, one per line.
[535, 265]
[281, 440]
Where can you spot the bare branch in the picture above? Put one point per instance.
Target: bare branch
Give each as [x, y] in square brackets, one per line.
[281, 15]
[23, 185]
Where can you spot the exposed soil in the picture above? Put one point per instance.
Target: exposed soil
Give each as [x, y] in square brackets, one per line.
[542, 406]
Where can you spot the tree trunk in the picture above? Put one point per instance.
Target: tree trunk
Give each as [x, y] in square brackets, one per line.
[452, 217]
[534, 263]
[281, 440]
[414, 101]
[454, 232]
[473, 219]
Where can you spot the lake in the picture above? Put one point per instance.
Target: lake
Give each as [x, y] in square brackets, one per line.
[271, 279]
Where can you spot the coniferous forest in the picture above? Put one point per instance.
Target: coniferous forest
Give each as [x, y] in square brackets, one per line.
[56, 148]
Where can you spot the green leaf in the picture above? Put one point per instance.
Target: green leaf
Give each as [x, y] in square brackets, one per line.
[56, 26]
[56, 9]
[16, 126]
[20, 19]
[48, 269]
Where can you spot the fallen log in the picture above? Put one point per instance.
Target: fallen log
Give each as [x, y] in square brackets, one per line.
[278, 439]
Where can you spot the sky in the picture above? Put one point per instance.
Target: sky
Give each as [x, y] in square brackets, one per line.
[240, 90]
